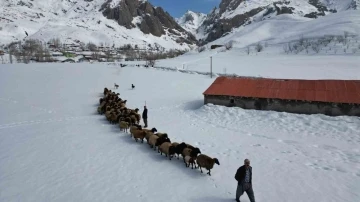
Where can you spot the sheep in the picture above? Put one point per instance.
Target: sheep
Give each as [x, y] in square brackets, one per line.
[175, 144]
[161, 140]
[113, 118]
[99, 109]
[179, 148]
[149, 133]
[133, 119]
[190, 146]
[190, 152]
[105, 91]
[189, 160]
[124, 126]
[138, 117]
[152, 141]
[153, 130]
[134, 128]
[186, 152]
[206, 162]
[167, 149]
[139, 134]
[161, 134]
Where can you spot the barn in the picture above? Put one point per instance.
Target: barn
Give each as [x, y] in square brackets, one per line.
[329, 97]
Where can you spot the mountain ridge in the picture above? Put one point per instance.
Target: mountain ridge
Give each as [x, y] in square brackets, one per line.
[95, 21]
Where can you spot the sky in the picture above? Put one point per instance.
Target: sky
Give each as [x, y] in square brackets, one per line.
[177, 8]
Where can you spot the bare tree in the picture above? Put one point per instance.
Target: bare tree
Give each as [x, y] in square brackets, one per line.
[82, 46]
[201, 49]
[248, 50]
[95, 55]
[301, 40]
[151, 58]
[259, 47]
[346, 34]
[286, 48]
[91, 46]
[108, 55]
[316, 47]
[229, 45]
[56, 42]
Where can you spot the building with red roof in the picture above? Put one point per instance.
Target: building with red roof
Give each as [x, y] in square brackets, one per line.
[330, 97]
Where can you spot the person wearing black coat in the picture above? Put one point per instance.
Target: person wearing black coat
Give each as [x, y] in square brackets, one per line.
[144, 116]
[244, 177]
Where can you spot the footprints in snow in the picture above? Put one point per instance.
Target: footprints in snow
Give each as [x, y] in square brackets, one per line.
[31, 106]
[23, 123]
[325, 168]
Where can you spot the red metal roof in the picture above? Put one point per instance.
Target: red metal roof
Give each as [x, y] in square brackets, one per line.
[336, 91]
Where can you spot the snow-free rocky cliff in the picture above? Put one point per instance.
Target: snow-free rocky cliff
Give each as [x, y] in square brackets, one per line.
[109, 21]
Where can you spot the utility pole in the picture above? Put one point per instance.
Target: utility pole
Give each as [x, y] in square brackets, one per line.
[210, 66]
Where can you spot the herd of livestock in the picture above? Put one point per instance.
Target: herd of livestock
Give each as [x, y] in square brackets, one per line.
[116, 112]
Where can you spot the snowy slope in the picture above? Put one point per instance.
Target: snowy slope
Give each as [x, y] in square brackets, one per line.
[55, 147]
[285, 28]
[277, 32]
[71, 20]
[191, 21]
[232, 14]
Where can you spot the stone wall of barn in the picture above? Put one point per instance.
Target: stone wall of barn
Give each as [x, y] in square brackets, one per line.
[291, 106]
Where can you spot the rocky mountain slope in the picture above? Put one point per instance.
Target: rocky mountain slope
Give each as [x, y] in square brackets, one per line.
[235, 13]
[191, 21]
[116, 22]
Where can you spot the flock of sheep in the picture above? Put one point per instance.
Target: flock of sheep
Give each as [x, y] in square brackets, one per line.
[116, 112]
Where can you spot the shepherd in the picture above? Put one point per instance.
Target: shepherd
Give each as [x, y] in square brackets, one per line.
[144, 116]
[244, 177]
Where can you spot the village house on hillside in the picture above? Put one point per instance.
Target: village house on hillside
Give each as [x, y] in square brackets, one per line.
[329, 97]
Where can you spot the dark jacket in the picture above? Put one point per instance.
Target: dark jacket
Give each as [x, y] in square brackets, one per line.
[241, 172]
[144, 114]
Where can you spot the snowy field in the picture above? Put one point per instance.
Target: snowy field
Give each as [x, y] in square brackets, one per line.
[55, 147]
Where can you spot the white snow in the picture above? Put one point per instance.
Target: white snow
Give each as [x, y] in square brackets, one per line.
[55, 147]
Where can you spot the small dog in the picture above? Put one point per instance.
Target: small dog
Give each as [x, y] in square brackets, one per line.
[132, 86]
[116, 86]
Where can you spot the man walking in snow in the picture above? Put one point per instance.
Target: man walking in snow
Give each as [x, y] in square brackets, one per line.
[244, 177]
[144, 116]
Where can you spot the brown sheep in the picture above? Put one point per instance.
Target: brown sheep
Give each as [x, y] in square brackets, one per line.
[167, 149]
[134, 128]
[139, 134]
[152, 141]
[206, 162]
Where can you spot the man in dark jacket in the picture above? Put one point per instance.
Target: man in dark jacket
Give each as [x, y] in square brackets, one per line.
[144, 116]
[244, 177]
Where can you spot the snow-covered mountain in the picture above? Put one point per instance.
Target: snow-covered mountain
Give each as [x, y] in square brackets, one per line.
[116, 22]
[191, 21]
[235, 13]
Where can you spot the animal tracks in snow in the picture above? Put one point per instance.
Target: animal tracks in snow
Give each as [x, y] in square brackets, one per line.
[24, 123]
[28, 105]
